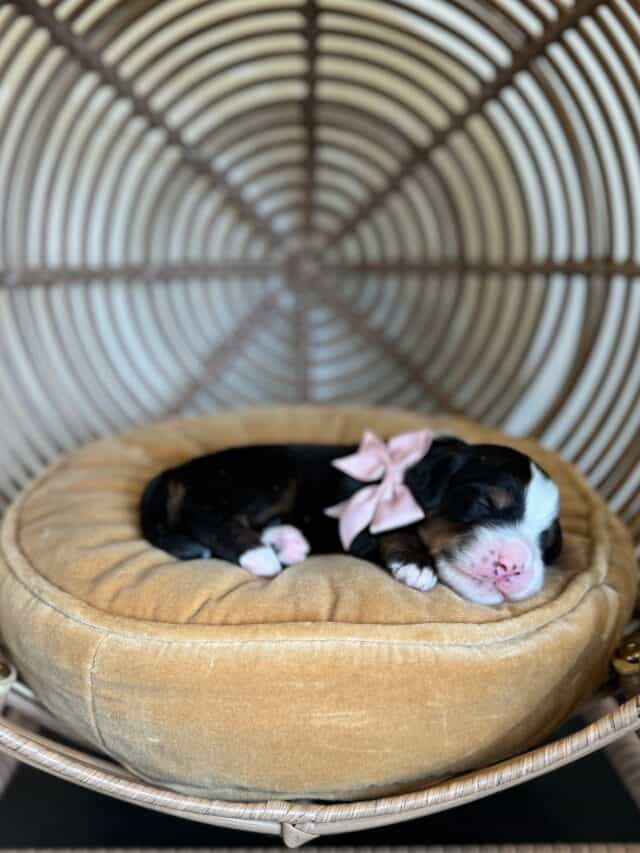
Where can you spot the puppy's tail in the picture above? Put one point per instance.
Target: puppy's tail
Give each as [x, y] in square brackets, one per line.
[161, 518]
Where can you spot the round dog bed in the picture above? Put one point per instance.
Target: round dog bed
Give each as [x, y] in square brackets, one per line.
[331, 681]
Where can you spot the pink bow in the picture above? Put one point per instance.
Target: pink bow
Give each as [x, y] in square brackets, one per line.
[389, 504]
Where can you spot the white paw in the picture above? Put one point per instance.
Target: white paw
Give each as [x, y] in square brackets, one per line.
[262, 562]
[288, 542]
[417, 577]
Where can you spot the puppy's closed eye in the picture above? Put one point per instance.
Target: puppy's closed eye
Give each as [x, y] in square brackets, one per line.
[472, 503]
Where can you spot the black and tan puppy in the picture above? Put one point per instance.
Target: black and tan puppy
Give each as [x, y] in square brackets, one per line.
[490, 526]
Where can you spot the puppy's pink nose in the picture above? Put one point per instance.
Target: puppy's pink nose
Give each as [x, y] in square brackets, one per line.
[504, 564]
[513, 557]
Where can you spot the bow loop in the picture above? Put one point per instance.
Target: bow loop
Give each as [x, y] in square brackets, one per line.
[388, 504]
[370, 461]
[409, 447]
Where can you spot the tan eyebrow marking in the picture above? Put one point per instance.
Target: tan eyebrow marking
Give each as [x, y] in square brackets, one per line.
[500, 498]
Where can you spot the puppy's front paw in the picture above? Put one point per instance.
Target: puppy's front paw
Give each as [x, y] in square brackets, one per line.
[261, 562]
[414, 576]
[288, 543]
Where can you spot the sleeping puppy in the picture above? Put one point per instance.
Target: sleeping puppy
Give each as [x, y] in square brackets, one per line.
[490, 515]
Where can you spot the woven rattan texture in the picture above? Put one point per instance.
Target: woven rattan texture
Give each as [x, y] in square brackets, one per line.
[433, 205]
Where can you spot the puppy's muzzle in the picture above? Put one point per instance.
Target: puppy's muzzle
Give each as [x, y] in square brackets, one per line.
[494, 567]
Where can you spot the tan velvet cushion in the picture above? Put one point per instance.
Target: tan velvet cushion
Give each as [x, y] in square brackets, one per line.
[332, 680]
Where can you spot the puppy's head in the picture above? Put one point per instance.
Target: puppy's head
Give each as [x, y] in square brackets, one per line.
[491, 518]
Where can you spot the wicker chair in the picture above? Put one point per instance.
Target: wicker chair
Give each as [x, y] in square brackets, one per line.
[427, 204]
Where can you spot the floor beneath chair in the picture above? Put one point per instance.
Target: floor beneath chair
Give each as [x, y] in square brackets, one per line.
[584, 802]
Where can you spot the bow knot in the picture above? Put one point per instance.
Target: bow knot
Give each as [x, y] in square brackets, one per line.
[388, 504]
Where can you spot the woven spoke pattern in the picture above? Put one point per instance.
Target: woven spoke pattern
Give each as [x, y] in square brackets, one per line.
[432, 205]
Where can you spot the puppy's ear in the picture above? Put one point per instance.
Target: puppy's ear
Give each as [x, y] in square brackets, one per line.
[551, 543]
[429, 479]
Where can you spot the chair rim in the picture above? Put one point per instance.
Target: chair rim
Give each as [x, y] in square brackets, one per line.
[300, 822]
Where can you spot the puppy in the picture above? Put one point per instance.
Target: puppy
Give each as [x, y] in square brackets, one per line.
[490, 522]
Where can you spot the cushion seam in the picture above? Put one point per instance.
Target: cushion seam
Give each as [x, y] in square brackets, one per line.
[92, 695]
